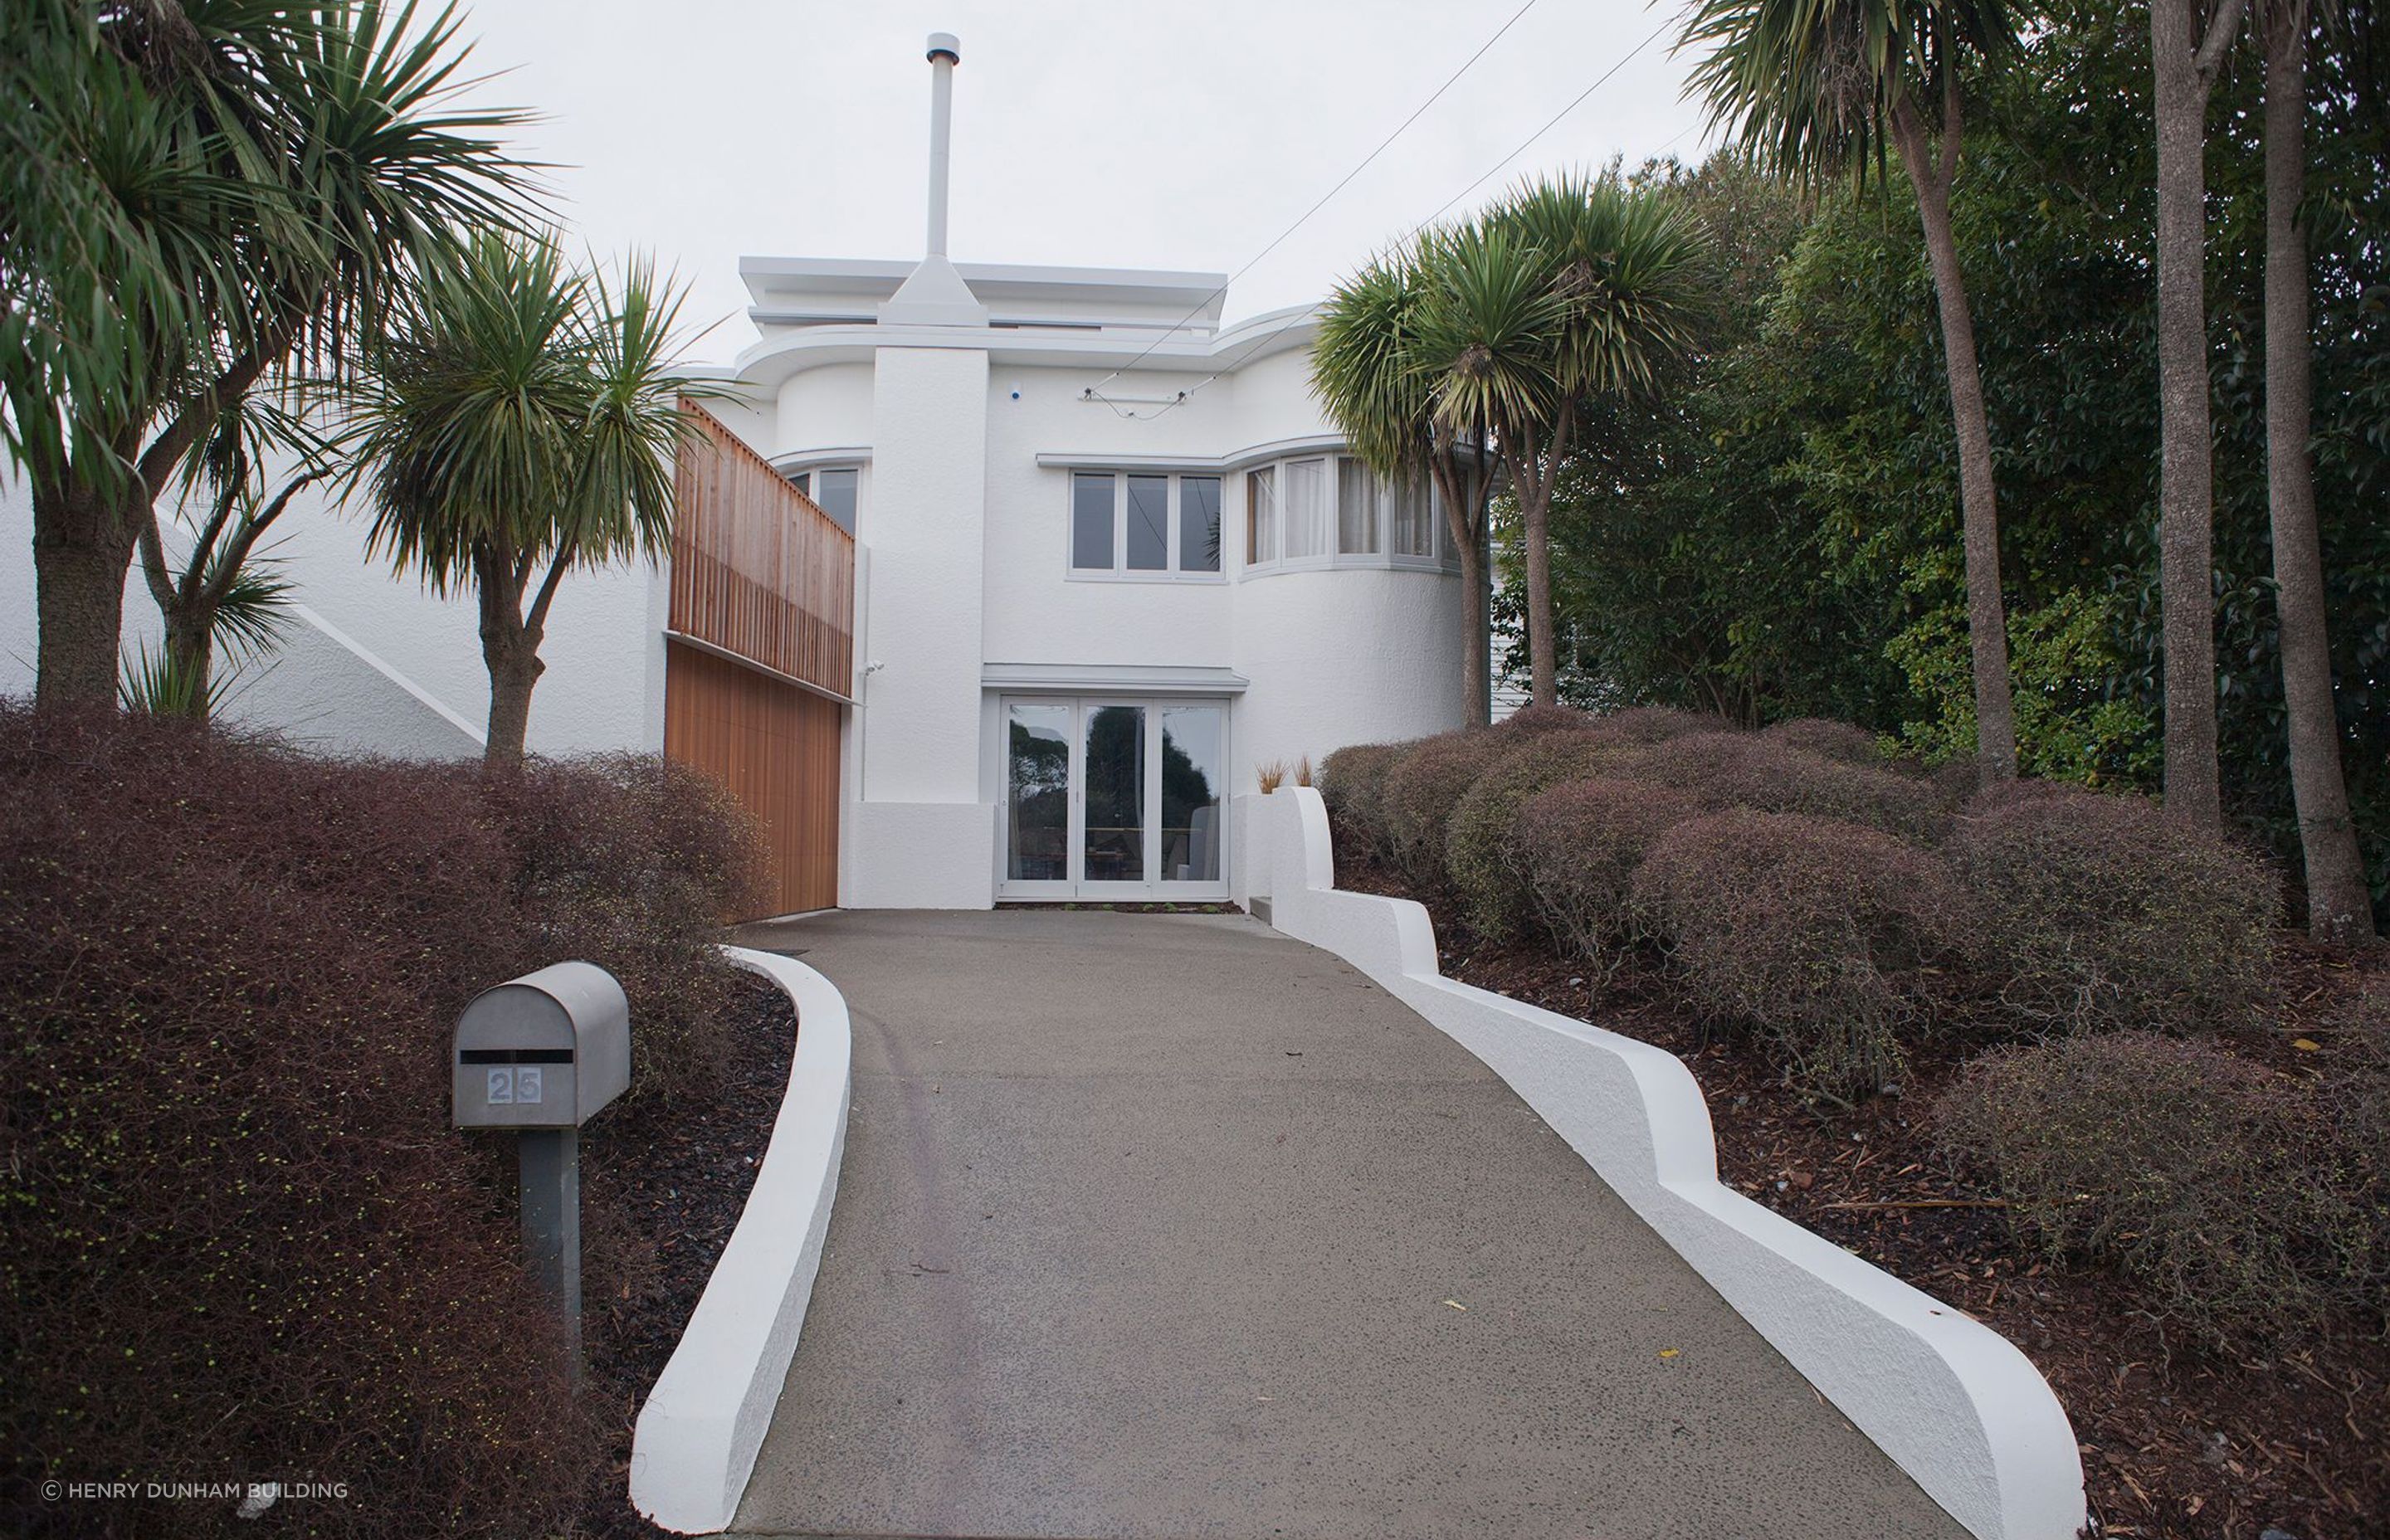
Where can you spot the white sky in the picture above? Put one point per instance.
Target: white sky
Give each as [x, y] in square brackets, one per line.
[1128, 133]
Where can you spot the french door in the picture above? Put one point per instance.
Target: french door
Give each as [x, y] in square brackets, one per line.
[1114, 798]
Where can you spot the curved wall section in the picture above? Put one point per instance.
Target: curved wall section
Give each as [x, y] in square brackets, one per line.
[1344, 655]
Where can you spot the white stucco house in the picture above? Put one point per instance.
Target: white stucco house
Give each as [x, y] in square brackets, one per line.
[1110, 558]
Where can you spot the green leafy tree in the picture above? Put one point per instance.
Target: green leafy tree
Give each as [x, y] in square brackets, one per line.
[520, 422]
[199, 193]
[1818, 90]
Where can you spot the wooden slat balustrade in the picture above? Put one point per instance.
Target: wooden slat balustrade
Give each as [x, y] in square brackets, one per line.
[763, 592]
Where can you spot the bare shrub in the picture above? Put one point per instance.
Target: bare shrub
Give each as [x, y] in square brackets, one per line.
[2226, 1189]
[1350, 781]
[1828, 739]
[1481, 857]
[1824, 937]
[1420, 791]
[1728, 770]
[2103, 912]
[1579, 843]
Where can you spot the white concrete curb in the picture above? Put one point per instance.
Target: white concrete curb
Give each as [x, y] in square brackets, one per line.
[697, 1436]
[1953, 1403]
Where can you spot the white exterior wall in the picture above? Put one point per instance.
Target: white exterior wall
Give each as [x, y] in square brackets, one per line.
[376, 663]
[920, 834]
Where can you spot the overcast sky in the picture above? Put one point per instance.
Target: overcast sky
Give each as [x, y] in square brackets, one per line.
[1130, 133]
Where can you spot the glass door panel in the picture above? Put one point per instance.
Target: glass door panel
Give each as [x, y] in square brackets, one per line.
[1191, 767]
[1113, 780]
[1037, 793]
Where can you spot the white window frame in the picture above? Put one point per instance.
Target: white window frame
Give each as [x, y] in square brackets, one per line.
[1174, 545]
[1440, 559]
[805, 479]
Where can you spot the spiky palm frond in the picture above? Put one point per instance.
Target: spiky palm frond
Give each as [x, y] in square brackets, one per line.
[522, 408]
[1366, 369]
[1490, 331]
[194, 192]
[252, 610]
[1807, 86]
[160, 683]
[1625, 263]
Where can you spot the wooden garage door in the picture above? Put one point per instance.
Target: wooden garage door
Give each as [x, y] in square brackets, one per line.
[760, 654]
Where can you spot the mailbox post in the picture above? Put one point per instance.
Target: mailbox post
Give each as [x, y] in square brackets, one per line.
[539, 1055]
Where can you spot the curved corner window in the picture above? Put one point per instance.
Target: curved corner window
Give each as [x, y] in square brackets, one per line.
[833, 489]
[1335, 511]
[1145, 525]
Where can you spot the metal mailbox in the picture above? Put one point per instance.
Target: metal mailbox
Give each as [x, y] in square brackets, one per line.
[546, 1050]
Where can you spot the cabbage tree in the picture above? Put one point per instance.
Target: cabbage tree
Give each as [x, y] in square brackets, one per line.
[520, 422]
[199, 193]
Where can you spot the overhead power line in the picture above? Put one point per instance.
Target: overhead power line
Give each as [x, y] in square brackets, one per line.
[1095, 392]
[1342, 184]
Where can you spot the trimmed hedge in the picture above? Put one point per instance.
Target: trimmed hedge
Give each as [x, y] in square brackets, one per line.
[1658, 724]
[1828, 739]
[1482, 859]
[1420, 791]
[2232, 1194]
[1352, 780]
[1822, 936]
[241, 1241]
[1579, 843]
[1730, 770]
[2101, 912]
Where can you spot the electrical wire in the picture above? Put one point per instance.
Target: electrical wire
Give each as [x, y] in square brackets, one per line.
[1094, 391]
[1342, 184]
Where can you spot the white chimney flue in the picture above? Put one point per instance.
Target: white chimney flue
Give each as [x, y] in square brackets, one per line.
[945, 52]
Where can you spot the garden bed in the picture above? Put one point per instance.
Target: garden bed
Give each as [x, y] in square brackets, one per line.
[672, 1183]
[2176, 1441]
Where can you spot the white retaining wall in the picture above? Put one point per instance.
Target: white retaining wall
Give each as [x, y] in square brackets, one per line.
[697, 1436]
[1954, 1403]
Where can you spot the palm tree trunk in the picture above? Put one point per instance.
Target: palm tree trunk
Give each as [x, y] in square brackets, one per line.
[1978, 518]
[510, 653]
[190, 650]
[1543, 651]
[2186, 468]
[81, 557]
[2340, 908]
[1476, 694]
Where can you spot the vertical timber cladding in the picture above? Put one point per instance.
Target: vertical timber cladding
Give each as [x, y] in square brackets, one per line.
[761, 653]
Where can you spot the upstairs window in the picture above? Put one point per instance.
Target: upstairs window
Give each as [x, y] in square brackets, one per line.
[833, 490]
[1334, 511]
[1144, 525]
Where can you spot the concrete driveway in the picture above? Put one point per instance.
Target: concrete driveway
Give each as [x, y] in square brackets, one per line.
[1166, 1226]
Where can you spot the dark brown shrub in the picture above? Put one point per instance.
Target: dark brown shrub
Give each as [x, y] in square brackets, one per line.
[1535, 721]
[1827, 738]
[240, 1238]
[2221, 1186]
[1420, 791]
[1351, 780]
[2099, 911]
[1482, 858]
[1730, 770]
[1657, 724]
[1820, 935]
[634, 863]
[1579, 844]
